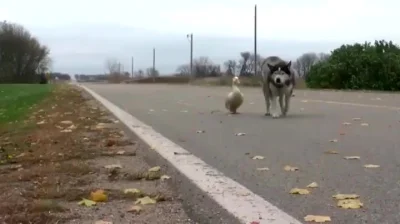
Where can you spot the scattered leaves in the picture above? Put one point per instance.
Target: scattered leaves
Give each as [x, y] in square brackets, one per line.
[331, 152]
[66, 122]
[113, 166]
[351, 157]
[364, 124]
[299, 191]
[200, 131]
[350, 203]
[290, 168]
[345, 196]
[133, 191]
[263, 169]
[145, 201]
[333, 140]
[165, 177]
[135, 209]
[87, 202]
[317, 218]
[313, 185]
[371, 166]
[240, 134]
[102, 222]
[258, 157]
[98, 196]
[41, 122]
[155, 169]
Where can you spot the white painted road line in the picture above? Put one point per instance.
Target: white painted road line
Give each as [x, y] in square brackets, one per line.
[232, 196]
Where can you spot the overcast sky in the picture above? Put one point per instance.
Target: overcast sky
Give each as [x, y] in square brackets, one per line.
[83, 34]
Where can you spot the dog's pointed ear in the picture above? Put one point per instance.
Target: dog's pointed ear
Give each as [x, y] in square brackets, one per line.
[289, 64]
[271, 67]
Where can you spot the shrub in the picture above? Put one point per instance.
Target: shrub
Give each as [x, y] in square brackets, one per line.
[359, 66]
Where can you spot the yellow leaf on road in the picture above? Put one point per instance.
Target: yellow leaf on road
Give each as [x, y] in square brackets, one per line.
[351, 157]
[345, 196]
[258, 157]
[317, 218]
[371, 166]
[155, 169]
[313, 185]
[87, 202]
[350, 203]
[145, 201]
[331, 152]
[290, 168]
[135, 209]
[98, 196]
[132, 191]
[299, 191]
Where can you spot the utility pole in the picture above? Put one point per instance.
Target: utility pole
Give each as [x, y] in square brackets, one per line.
[190, 36]
[132, 64]
[154, 64]
[255, 41]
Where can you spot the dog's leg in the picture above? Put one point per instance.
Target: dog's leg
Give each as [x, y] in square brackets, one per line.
[283, 107]
[288, 95]
[265, 88]
[274, 110]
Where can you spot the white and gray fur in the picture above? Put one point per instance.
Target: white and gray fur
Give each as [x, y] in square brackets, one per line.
[278, 81]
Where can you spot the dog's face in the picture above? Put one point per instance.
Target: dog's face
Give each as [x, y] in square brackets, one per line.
[280, 74]
[236, 80]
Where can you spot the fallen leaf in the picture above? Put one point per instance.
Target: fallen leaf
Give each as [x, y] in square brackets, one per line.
[331, 152]
[240, 134]
[263, 169]
[351, 157]
[371, 166]
[165, 177]
[151, 110]
[364, 124]
[345, 196]
[258, 157]
[350, 203]
[290, 168]
[145, 201]
[346, 123]
[200, 131]
[317, 218]
[102, 222]
[87, 202]
[66, 122]
[313, 185]
[121, 152]
[304, 101]
[155, 169]
[299, 191]
[41, 122]
[184, 111]
[135, 209]
[333, 140]
[133, 191]
[357, 119]
[98, 196]
[113, 166]
[66, 130]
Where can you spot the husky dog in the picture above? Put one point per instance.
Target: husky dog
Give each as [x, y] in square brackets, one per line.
[278, 81]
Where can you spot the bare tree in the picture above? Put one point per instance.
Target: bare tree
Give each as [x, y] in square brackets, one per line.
[204, 67]
[230, 67]
[183, 70]
[246, 64]
[150, 72]
[305, 62]
[113, 66]
[139, 74]
[323, 56]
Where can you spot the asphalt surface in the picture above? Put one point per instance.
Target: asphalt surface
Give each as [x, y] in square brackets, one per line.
[300, 139]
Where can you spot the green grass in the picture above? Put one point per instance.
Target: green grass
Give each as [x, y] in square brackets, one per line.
[17, 99]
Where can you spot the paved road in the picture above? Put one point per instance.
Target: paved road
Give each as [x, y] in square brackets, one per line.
[300, 139]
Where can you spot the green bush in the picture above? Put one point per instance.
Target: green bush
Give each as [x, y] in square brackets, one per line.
[359, 66]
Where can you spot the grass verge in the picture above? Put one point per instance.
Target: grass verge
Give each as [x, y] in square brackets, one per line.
[17, 99]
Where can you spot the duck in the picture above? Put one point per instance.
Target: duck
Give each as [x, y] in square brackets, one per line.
[235, 98]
